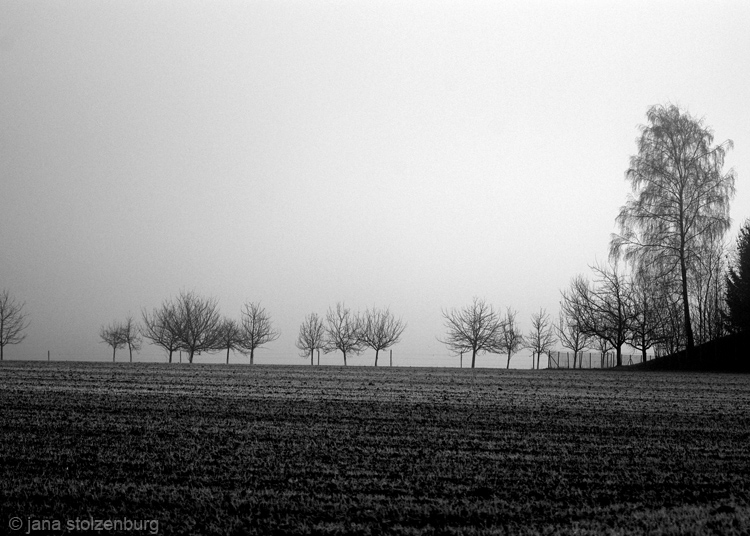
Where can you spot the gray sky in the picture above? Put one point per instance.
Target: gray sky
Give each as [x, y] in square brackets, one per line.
[402, 154]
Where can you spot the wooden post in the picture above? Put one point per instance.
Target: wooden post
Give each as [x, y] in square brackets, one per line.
[47, 355]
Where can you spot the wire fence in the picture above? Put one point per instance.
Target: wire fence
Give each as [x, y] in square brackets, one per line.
[591, 360]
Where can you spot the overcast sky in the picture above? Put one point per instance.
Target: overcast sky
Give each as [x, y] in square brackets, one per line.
[402, 154]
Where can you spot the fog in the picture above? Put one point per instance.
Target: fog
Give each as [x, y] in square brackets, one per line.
[404, 155]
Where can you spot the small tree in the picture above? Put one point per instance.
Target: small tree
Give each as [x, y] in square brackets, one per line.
[343, 331]
[311, 336]
[511, 339]
[162, 327]
[380, 330]
[476, 328]
[256, 328]
[131, 336]
[540, 338]
[569, 326]
[112, 335]
[229, 336]
[646, 327]
[197, 323]
[738, 283]
[606, 307]
[13, 321]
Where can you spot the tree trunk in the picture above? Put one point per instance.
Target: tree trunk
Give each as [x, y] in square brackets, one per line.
[473, 357]
[507, 365]
[318, 356]
[344, 357]
[312, 356]
[114, 349]
[619, 356]
[170, 355]
[252, 352]
[376, 357]
[190, 357]
[2, 347]
[685, 302]
[227, 355]
[130, 349]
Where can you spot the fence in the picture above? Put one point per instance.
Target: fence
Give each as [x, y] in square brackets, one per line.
[591, 360]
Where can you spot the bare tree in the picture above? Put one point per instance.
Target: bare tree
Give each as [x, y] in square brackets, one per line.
[256, 328]
[680, 198]
[708, 288]
[162, 327]
[606, 307]
[229, 336]
[131, 335]
[476, 328]
[603, 346]
[311, 336]
[197, 323]
[343, 331]
[380, 330]
[13, 321]
[112, 335]
[569, 326]
[511, 339]
[647, 327]
[540, 338]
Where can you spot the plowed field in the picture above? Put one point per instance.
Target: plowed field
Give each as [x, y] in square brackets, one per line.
[306, 450]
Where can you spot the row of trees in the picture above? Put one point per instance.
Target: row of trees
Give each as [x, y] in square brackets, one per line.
[349, 332]
[193, 324]
[478, 328]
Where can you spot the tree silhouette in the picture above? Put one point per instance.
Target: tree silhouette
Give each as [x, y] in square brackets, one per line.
[343, 331]
[256, 328]
[311, 336]
[680, 199]
[511, 339]
[738, 283]
[541, 337]
[13, 321]
[476, 328]
[112, 336]
[380, 330]
[197, 323]
[229, 336]
[161, 326]
[131, 335]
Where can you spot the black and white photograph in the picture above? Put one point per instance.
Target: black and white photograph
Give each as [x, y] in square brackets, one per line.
[374, 267]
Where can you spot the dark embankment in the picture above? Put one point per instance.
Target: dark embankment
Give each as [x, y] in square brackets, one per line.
[727, 354]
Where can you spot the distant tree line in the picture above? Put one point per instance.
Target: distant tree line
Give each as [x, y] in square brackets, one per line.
[349, 333]
[478, 328]
[193, 324]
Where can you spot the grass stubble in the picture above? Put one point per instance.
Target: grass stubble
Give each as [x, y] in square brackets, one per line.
[305, 450]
